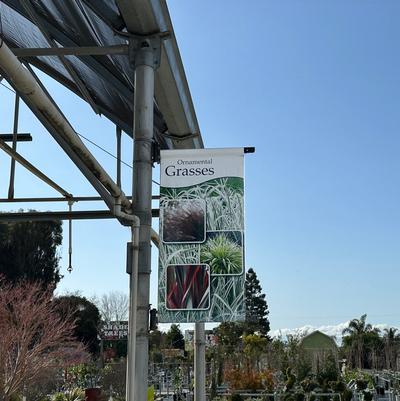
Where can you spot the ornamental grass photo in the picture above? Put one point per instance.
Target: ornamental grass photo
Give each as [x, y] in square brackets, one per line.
[188, 287]
[184, 221]
[224, 198]
[223, 252]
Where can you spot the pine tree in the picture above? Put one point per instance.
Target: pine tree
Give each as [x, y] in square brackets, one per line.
[174, 338]
[29, 251]
[256, 306]
[87, 319]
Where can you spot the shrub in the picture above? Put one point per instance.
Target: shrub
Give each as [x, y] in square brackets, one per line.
[239, 379]
[46, 339]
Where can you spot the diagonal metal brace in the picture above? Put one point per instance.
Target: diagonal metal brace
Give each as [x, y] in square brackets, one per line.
[20, 159]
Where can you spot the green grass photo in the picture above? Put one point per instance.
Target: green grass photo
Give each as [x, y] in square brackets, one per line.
[223, 252]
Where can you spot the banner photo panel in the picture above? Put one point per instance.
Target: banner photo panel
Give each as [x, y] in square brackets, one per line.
[201, 254]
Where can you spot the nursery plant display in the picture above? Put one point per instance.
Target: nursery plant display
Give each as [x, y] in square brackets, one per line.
[201, 264]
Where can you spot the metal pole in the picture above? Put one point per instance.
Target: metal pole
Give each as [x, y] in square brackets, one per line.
[14, 148]
[118, 133]
[142, 186]
[199, 362]
[132, 328]
[69, 268]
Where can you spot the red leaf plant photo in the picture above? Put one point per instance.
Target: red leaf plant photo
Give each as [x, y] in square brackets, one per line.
[188, 287]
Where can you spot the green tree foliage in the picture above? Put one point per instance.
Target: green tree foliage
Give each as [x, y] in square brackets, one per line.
[157, 340]
[329, 372]
[28, 251]
[256, 306]
[87, 319]
[174, 338]
[362, 343]
[391, 340]
[254, 346]
[229, 337]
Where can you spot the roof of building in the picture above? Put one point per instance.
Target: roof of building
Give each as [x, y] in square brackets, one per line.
[318, 341]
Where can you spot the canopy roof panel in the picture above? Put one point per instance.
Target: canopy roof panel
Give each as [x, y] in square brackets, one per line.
[106, 81]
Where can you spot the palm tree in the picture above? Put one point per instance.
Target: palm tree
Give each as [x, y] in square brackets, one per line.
[358, 326]
[391, 339]
[354, 337]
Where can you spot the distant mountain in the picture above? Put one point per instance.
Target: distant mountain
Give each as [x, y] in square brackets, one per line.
[330, 330]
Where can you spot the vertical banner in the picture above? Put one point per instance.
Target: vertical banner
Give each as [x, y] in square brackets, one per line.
[201, 254]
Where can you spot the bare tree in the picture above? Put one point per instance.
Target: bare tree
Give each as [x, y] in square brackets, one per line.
[113, 306]
[33, 336]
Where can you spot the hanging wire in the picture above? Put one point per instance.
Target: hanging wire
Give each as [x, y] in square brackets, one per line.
[7, 87]
[104, 150]
[110, 154]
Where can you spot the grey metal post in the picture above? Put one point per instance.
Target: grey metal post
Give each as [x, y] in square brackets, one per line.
[14, 148]
[199, 362]
[142, 188]
[118, 133]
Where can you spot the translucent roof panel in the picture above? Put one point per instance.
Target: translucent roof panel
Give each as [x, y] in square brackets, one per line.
[105, 81]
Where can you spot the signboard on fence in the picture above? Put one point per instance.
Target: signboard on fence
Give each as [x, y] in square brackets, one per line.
[201, 254]
[115, 330]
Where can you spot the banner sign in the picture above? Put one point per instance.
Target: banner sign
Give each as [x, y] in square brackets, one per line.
[201, 253]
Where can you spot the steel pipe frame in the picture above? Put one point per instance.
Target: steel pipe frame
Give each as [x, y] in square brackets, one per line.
[90, 176]
[139, 17]
[190, 121]
[43, 106]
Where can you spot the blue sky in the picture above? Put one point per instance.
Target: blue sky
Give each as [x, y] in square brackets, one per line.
[314, 86]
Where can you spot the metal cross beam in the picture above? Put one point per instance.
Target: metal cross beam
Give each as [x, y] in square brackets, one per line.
[23, 137]
[71, 51]
[58, 199]
[61, 215]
